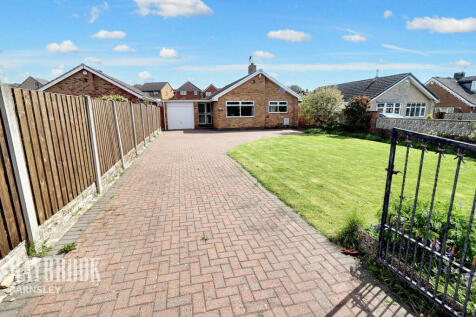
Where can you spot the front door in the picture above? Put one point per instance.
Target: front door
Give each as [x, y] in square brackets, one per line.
[204, 113]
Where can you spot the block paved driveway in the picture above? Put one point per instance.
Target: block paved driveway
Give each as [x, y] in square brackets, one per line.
[186, 231]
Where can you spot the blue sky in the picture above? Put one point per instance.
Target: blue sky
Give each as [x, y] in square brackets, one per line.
[309, 43]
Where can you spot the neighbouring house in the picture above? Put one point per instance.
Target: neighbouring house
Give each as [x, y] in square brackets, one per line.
[457, 94]
[32, 83]
[188, 91]
[256, 100]
[207, 92]
[161, 90]
[85, 80]
[400, 94]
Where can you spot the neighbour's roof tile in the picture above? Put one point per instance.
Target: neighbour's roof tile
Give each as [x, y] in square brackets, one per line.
[454, 85]
[188, 86]
[154, 86]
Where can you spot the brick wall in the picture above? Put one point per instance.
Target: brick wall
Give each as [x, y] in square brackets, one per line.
[261, 91]
[89, 84]
[447, 99]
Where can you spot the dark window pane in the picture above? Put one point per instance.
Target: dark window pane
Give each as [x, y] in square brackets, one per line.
[283, 108]
[201, 107]
[247, 111]
[273, 108]
[233, 111]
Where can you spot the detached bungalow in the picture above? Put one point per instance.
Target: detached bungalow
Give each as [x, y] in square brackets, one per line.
[256, 100]
[400, 94]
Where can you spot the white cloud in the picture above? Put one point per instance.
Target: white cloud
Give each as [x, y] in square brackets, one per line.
[387, 14]
[460, 64]
[354, 38]
[144, 75]
[290, 35]
[75, 15]
[169, 53]
[123, 48]
[92, 60]
[172, 8]
[363, 66]
[96, 11]
[443, 25]
[57, 71]
[402, 49]
[103, 34]
[275, 75]
[260, 55]
[63, 48]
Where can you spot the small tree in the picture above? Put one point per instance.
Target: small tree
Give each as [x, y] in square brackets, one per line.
[321, 107]
[355, 114]
[114, 98]
[297, 89]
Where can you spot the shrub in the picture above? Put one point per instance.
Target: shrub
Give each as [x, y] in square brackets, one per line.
[429, 116]
[321, 107]
[349, 236]
[114, 98]
[355, 114]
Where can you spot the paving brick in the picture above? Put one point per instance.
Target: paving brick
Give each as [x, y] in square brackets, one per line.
[259, 256]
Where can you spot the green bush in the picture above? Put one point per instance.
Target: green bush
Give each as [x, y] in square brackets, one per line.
[356, 116]
[429, 116]
[321, 107]
[349, 236]
[114, 98]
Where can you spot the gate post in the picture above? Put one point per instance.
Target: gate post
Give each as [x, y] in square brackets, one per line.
[17, 157]
[133, 125]
[94, 144]
[388, 186]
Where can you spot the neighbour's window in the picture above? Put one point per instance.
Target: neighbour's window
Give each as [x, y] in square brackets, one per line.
[415, 110]
[183, 92]
[240, 109]
[389, 107]
[195, 92]
[278, 107]
[156, 92]
[445, 109]
[208, 93]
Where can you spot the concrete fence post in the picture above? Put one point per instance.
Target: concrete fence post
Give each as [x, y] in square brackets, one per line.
[142, 119]
[94, 144]
[17, 158]
[118, 133]
[134, 134]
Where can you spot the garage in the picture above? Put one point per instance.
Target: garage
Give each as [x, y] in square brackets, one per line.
[180, 115]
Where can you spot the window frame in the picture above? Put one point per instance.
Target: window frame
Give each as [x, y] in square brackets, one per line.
[208, 93]
[240, 104]
[155, 93]
[183, 92]
[278, 105]
[390, 105]
[420, 106]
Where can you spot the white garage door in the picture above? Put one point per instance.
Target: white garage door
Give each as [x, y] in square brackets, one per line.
[180, 116]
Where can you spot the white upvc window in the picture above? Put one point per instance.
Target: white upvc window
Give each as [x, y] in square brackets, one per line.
[445, 109]
[156, 92]
[240, 109]
[278, 107]
[389, 107]
[208, 93]
[183, 92]
[473, 86]
[195, 92]
[416, 109]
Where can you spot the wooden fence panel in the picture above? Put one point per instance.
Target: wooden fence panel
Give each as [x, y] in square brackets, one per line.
[108, 148]
[56, 143]
[138, 123]
[12, 225]
[125, 126]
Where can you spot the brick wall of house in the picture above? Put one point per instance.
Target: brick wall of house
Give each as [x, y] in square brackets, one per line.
[447, 99]
[89, 84]
[190, 95]
[261, 91]
[210, 89]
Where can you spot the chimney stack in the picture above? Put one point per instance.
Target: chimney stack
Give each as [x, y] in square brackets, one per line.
[459, 75]
[251, 68]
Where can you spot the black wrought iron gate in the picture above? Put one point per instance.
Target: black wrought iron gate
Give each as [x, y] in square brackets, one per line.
[435, 256]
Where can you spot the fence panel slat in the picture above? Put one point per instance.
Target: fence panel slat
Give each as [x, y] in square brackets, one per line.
[69, 146]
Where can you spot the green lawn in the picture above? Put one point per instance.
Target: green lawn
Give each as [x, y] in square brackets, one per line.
[327, 177]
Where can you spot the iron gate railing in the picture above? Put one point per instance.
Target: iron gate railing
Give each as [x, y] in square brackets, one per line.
[422, 253]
